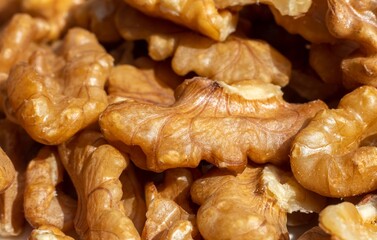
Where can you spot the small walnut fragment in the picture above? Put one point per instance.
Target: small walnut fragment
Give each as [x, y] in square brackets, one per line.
[54, 17]
[235, 59]
[249, 205]
[98, 17]
[147, 81]
[201, 16]
[315, 233]
[48, 232]
[169, 214]
[43, 203]
[345, 221]
[332, 144]
[356, 21]
[7, 171]
[285, 7]
[94, 167]
[311, 25]
[58, 93]
[210, 120]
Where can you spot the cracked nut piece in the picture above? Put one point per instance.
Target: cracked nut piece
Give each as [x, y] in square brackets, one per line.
[249, 205]
[330, 148]
[235, 59]
[54, 17]
[311, 25]
[43, 203]
[94, 167]
[355, 20]
[7, 171]
[285, 7]
[210, 120]
[147, 81]
[169, 214]
[98, 17]
[199, 15]
[53, 97]
[48, 232]
[235, 207]
[346, 221]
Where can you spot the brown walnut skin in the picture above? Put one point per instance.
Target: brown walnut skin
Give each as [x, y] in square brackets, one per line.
[95, 167]
[43, 203]
[330, 148]
[56, 96]
[206, 122]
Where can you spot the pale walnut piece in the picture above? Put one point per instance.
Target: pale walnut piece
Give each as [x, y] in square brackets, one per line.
[18, 146]
[356, 21]
[47, 232]
[330, 148]
[250, 205]
[43, 203]
[285, 7]
[199, 15]
[311, 25]
[169, 215]
[55, 96]
[210, 120]
[98, 17]
[345, 221]
[7, 171]
[94, 167]
[235, 59]
[147, 81]
[237, 207]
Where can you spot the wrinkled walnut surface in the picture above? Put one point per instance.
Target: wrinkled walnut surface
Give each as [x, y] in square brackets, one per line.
[219, 123]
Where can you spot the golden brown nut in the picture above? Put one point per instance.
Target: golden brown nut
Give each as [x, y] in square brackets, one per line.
[48, 232]
[7, 171]
[355, 20]
[94, 167]
[285, 7]
[53, 97]
[311, 25]
[315, 233]
[210, 120]
[201, 16]
[22, 28]
[169, 214]
[17, 145]
[330, 148]
[98, 17]
[148, 81]
[43, 203]
[235, 59]
[249, 205]
[133, 197]
[53, 16]
[346, 221]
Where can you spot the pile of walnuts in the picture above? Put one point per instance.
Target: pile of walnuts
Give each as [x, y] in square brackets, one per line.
[191, 119]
